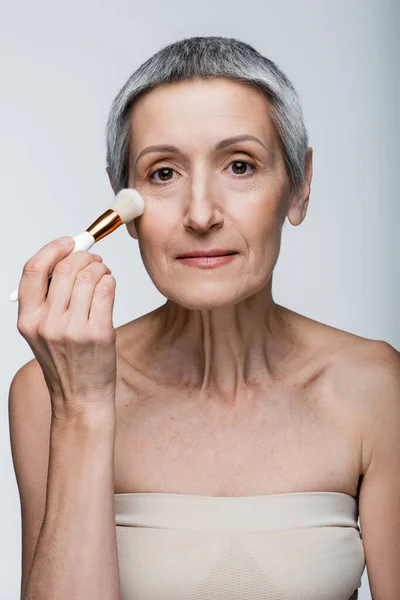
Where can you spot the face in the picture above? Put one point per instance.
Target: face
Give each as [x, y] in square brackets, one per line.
[208, 193]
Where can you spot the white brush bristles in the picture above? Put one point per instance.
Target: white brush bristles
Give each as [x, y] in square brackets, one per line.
[129, 204]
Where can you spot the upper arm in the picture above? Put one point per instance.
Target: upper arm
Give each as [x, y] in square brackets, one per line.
[379, 497]
[29, 420]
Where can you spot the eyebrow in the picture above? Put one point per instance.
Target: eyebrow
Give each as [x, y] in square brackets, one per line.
[220, 146]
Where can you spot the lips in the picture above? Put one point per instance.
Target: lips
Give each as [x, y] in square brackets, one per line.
[205, 253]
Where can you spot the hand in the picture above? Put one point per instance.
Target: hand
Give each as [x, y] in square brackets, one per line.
[68, 324]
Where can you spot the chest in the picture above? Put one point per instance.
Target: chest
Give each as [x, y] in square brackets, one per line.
[265, 443]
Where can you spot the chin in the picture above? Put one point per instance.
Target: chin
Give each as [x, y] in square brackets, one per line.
[206, 297]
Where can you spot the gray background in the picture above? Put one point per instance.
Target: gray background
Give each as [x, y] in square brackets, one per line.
[62, 65]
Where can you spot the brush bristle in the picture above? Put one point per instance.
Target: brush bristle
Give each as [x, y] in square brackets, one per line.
[129, 204]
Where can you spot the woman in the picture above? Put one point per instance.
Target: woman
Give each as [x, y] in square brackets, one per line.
[232, 441]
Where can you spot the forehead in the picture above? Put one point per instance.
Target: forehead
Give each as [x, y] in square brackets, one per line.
[200, 111]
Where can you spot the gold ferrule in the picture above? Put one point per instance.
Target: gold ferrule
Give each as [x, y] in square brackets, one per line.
[105, 224]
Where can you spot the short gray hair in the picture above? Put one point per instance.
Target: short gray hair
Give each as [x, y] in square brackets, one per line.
[203, 58]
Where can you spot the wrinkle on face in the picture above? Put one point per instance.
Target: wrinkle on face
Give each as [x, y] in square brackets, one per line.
[221, 325]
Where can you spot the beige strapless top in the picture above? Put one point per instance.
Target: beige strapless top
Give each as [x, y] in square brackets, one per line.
[295, 546]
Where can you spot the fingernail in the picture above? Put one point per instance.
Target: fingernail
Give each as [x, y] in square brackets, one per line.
[66, 241]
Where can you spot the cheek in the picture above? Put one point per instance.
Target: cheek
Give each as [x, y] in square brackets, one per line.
[156, 230]
[257, 220]
[261, 232]
[159, 216]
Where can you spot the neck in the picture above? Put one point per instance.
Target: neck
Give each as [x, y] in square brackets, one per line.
[223, 351]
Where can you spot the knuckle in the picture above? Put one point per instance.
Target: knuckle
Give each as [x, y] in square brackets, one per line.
[90, 273]
[62, 268]
[32, 268]
[25, 327]
[47, 332]
[106, 284]
[87, 256]
[22, 328]
[98, 266]
[72, 335]
[85, 276]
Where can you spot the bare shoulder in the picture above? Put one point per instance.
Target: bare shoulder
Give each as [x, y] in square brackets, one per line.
[29, 398]
[376, 395]
[347, 353]
[364, 375]
[30, 375]
[361, 377]
[29, 405]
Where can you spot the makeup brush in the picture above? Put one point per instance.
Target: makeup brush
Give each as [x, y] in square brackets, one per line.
[128, 204]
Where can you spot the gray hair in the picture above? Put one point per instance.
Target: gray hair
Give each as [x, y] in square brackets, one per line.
[203, 58]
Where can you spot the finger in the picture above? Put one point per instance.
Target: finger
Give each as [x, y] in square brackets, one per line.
[82, 293]
[63, 281]
[101, 310]
[33, 285]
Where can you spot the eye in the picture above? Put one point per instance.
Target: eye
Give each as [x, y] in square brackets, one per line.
[242, 164]
[164, 173]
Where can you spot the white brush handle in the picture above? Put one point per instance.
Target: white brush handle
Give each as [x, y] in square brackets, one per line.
[83, 241]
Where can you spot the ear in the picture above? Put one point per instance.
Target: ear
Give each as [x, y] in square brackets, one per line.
[298, 207]
[110, 178]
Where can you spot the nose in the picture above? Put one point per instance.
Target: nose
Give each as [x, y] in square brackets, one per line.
[202, 212]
